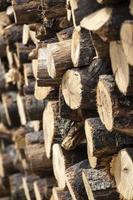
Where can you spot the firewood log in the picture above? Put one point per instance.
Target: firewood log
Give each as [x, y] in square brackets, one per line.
[65, 34]
[80, 9]
[59, 61]
[17, 191]
[82, 50]
[102, 144]
[73, 177]
[60, 194]
[63, 159]
[34, 138]
[122, 170]
[99, 184]
[121, 70]
[43, 188]
[21, 109]
[28, 186]
[126, 39]
[115, 110]
[109, 27]
[79, 85]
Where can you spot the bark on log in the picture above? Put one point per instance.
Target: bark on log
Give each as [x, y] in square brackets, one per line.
[115, 110]
[34, 138]
[101, 143]
[65, 34]
[123, 73]
[78, 85]
[123, 172]
[60, 194]
[74, 180]
[127, 41]
[63, 159]
[82, 50]
[109, 27]
[99, 184]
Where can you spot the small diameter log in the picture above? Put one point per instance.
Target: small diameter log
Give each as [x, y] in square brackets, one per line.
[65, 34]
[99, 184]
[9, 101]
[17, 191]
[27, 13]
[13, 33]
[63, 159]
[73, 177]
[23, 52]
[115, 110]
[102, 144]
[127, 40]
[107, 22]
[34, 108]
[28, 186]
[58, 59]
[79, 85]
[122, 71]
[21, 109]
[43, 188]
[122, 170]
[81, 9]
[82, 50]
[60, 194]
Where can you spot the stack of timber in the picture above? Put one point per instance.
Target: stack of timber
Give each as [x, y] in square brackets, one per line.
[66, 99]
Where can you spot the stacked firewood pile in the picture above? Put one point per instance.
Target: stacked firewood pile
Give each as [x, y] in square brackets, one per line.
[66, 99]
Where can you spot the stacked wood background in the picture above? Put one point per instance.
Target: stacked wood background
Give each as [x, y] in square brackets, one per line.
[66, 99]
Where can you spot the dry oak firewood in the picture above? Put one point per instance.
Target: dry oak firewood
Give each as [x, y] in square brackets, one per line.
[61, 194]
[82, 50]
[73, 177]
[63, 159]
[99, 184]
[122, 170]
[126, 39]
[101, 143]
[115, 110]
[79, 85]
[123, 73]
[107, 22]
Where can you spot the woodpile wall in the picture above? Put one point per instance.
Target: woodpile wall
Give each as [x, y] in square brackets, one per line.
[66, 99]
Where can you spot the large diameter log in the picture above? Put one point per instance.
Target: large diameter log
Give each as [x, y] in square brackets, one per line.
[27, 13]
[63, 159]
[101, 143]
[60, 194]
[99, 184]
[122, 170]
[73, 177]
[126, 39]
[107, 22]
[59, 61]
[121, 70]
[82, 50]
[115, 110]
[79, 85]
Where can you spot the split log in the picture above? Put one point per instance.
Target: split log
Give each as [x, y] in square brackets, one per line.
[115, 110]
[58, 61]
[21, 109]
[27, 13]
[17, 191]
[107, 22]
[34, 107]
[43, 188]
[65, 34]
[126, 39]
[63, 159]
[102, 144]
[82, 50]
[121, 70]
[99, 184]
[28, 186]
[78, 85]
[81, 9]
[60, 194]
[73, 177]
[123, 172]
